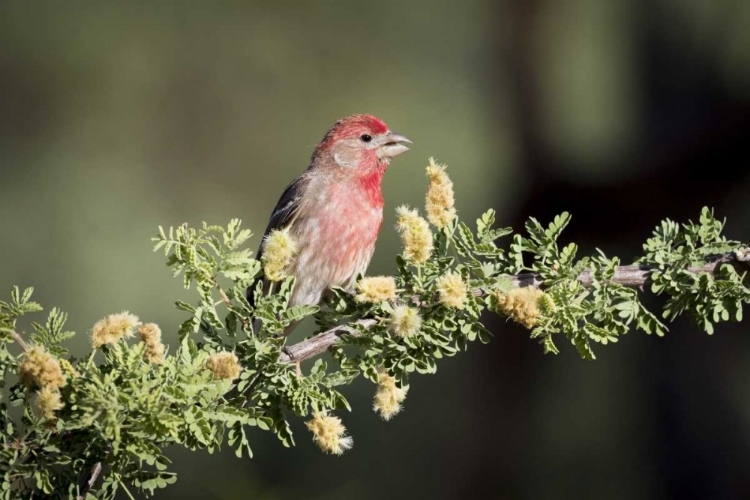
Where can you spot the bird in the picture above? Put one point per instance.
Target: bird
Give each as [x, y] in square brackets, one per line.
[333, 211]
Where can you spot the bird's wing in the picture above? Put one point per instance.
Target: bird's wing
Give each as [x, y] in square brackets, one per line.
[283, 216]
[287, 208]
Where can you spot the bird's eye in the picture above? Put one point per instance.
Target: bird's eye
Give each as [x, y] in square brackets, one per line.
[365, 138]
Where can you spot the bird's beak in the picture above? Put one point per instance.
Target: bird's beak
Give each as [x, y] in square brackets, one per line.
[391, 145]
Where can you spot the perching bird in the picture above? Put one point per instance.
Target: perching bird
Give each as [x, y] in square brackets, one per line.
[333, 211]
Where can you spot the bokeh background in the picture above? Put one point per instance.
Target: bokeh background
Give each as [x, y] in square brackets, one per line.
[116, 117]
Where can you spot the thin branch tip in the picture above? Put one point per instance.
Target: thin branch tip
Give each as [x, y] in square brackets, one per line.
[22, 343]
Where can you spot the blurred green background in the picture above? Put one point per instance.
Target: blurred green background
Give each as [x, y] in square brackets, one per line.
[116, 117]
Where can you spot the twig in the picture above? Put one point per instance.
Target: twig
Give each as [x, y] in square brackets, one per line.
[20, 340]
[93, 474]
[223, 295]
[634, 276]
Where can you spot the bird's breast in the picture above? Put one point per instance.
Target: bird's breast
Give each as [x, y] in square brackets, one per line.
[336, 238]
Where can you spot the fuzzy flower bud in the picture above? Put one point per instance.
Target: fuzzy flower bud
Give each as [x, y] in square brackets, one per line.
[47, 402]
[415, 235]
[388, 397]
[522, 305]
[40, 369]
[224, 365]
[150, 334]
[329, 433]
[452, 290]
[405, 321]
[112, 328]
[279, 249]
[376, 289]
[68, 369]
[440, 199]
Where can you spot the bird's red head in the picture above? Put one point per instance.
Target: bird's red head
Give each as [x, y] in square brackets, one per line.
[361, 142]
[353, 126]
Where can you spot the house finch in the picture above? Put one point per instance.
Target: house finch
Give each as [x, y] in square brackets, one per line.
[331, 214]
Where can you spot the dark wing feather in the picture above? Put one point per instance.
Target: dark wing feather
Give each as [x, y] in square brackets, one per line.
[282, 216]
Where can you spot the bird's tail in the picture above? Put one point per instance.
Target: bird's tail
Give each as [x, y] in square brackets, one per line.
[250, 296]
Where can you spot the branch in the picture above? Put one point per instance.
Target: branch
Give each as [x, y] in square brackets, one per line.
[320, 343]
[19, 340]
[634, 276]
[89, 481]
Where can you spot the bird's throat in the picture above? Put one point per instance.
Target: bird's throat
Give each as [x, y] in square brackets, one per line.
[370, 183]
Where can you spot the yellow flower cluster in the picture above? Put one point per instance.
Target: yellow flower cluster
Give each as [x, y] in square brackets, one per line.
[415, 235]
[440, 198]
[47, 402]
[388, 397]
[376, 289]
[452, 290]
[522, 305]
[112, 328]
[68, 369]
[150, 334]
[42, 370]
[224, 365]
[279, 250]
[405, 321]
[329, 433]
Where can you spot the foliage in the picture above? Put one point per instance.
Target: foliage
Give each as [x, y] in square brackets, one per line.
[121, 410]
